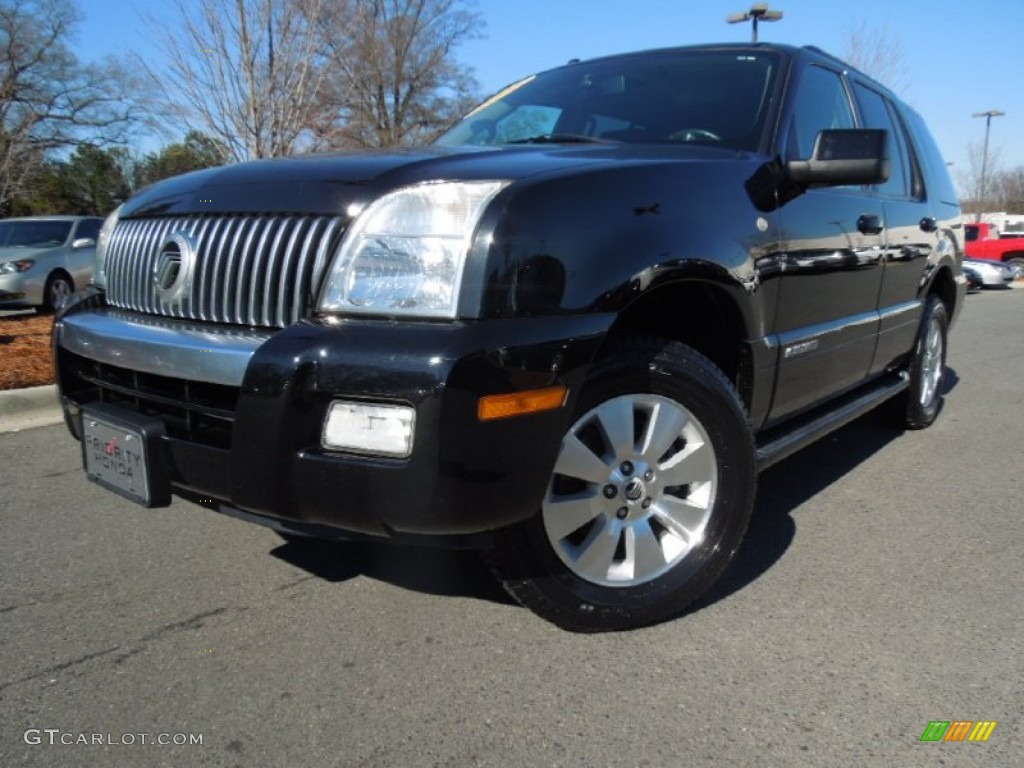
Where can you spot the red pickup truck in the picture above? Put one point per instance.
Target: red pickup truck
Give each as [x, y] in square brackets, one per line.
[983, 242]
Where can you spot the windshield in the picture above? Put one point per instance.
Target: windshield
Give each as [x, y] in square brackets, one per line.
[716, 98]
[35, 234]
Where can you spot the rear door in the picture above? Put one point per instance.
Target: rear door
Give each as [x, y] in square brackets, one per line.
[910, 227]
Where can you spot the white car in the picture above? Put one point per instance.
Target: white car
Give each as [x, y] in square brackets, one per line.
[994, 273]
[45, 258]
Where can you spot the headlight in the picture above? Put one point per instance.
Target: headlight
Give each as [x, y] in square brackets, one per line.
[405, 253]
[12, 267]
[99, 270]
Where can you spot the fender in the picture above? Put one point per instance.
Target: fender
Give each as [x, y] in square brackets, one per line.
[946, 260]
[598, 241]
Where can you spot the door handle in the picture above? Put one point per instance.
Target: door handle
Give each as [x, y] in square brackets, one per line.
[929, 224]
[869, 224]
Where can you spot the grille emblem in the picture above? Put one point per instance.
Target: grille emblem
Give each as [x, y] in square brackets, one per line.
[172, 272]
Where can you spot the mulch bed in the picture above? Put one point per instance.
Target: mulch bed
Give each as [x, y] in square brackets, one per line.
[25, 359]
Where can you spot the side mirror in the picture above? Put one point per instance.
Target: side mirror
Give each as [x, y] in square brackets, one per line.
[83, 242]
[841, 157]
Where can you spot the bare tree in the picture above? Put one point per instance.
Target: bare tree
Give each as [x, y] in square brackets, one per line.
[874, 52]
[49, 100]
[976, 200]
[394, 77]
[245, 70]
[1008, 190]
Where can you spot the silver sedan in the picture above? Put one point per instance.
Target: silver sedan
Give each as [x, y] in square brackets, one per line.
[45, 258]
[993, 273]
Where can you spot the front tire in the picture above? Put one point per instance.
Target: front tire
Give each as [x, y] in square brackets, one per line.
[58, 288]
[649, 497]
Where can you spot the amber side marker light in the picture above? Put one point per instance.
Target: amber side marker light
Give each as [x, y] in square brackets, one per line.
[494, 407]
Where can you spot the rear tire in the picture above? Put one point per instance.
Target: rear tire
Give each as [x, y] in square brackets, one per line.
[923, 399]
[649, 497]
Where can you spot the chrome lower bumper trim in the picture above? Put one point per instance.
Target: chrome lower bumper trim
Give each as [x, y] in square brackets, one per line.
[177, 348]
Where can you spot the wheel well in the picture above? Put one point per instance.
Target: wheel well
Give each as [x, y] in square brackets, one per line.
[700, 315]
[1013, 255]
[944, 287]
[62, 272]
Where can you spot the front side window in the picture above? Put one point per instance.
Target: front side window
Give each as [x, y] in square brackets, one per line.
[709, 97]
[89, 228]
[821, 103]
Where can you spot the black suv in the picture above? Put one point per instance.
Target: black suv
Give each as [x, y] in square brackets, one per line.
[569, 333]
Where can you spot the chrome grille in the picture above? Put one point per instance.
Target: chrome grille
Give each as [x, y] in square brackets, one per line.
[246, 270]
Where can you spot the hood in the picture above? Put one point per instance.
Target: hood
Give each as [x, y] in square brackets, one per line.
[19, 252]
[327, 184]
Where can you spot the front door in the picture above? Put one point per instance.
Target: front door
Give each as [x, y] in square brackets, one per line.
[831, 258]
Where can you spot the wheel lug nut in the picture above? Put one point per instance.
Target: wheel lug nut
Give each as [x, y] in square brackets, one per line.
[649, 475]
[610, 491]
[646, 503]
[622, 514]
[626, 468]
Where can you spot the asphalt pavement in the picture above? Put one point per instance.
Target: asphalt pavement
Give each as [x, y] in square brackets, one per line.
[878, 590]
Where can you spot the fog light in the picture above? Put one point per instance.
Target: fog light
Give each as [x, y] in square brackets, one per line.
[380, 430]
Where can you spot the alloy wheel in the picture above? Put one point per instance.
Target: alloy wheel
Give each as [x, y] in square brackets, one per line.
[632, 491]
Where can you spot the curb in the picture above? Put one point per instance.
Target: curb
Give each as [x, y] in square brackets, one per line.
[28, 408]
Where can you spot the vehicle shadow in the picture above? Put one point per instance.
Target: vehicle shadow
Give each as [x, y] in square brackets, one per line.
[783, 488]
[790, 483]
[442, 572]
[462, 573]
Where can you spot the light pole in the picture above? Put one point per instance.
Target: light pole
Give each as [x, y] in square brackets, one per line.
[758, 12]
[984, 153]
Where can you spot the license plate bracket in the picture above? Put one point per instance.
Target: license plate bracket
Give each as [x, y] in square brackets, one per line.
[123, 452]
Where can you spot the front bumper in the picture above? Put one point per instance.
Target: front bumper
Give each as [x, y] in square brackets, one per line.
[245, 412]
[20, 290]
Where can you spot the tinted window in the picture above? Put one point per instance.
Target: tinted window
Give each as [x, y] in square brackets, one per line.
[716, 98]
[876, 113]
[37, 234]
[821, 103]
[89, 228]
[939, 185]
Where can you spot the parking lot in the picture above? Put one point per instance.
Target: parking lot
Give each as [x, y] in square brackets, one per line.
[879, 589]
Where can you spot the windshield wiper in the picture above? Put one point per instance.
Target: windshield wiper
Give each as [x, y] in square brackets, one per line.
[559, 138]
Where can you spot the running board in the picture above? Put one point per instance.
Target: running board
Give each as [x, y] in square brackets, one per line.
[836, 416]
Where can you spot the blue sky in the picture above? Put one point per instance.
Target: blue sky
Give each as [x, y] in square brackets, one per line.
[960, 58]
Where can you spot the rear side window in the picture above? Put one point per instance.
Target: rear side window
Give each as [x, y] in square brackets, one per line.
[821, 103]
[876, 112]
[938, 183]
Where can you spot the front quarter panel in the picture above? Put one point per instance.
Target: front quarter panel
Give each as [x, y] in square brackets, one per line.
[596, 241]
[80, 265]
